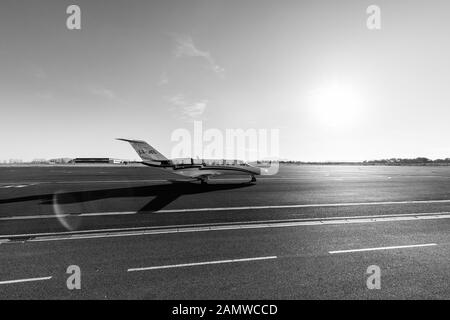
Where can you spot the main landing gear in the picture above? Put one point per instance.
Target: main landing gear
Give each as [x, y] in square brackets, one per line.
[253, 179]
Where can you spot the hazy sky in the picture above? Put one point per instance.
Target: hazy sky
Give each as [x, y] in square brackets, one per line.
[141, 69]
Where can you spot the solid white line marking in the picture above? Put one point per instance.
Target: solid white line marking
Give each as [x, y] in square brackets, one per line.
[106, 181]
[15, 186]
[261, 178]
[384, 248]
[141, 231]
[25, 280]
[201, 263]
[186, 179]
[322, 205]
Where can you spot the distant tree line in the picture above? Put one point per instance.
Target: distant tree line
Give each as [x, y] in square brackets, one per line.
[385, 162]
[415, 161]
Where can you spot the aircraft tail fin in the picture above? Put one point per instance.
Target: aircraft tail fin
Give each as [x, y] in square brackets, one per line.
[145, 151]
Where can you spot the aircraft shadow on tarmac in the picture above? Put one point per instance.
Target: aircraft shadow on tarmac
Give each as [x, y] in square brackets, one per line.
[163, 194]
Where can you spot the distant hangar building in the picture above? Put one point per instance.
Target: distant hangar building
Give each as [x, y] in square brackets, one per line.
[97, 160]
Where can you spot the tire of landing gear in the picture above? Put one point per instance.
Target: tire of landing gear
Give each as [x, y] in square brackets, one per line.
[253, 179]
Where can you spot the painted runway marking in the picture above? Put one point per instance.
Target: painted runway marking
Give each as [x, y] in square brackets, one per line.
[25, 280]
[320, 205]
[15, 186]
[157, 180]
[91, 181]
[294, 206]
[142, 231]
[262, 178]
[384, 248]
[201, 263]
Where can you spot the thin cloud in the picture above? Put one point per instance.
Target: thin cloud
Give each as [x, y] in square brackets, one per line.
[189, 109]
[35, 71]
[39, 73]
[103, 93]
[46, 95]
[196, 109]
[107, 94]
[185, 47]
[163, 80]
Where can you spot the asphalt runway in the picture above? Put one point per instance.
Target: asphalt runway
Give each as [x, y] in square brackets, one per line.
[310, 232]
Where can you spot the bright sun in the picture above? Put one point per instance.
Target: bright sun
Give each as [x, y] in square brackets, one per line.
[336, 105]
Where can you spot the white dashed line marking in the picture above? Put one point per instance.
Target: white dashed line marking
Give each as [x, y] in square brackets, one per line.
[384, 248]
[16, 186]
[24, 280]
[201, 263]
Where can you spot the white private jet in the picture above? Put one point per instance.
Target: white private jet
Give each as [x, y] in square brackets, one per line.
[200, 169]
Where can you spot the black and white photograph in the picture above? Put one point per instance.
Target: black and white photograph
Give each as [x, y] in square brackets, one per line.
[246, 152]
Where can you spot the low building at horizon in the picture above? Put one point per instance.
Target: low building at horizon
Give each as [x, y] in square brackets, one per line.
[98, 161]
